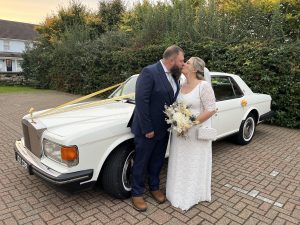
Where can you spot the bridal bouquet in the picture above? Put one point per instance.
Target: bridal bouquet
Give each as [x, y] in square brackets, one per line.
[180, 117]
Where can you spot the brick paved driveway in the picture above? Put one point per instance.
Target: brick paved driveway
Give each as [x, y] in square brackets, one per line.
[254, 184]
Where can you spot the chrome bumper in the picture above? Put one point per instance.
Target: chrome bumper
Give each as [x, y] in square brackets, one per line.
[34, 166]
[266, 116]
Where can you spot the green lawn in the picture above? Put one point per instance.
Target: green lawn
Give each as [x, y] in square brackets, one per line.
[13, 89]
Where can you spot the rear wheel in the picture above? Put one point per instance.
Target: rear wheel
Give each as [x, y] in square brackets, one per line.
[117, 170]
[247, 129]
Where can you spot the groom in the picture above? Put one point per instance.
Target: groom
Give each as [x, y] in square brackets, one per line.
[156, 86]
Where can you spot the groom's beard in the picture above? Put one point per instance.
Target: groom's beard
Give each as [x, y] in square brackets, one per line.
[176, 72]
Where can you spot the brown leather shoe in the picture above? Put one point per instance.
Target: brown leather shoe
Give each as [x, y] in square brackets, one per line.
[139, 204]
[158, 196]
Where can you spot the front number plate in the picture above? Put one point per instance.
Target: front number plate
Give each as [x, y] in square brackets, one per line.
[22, 162]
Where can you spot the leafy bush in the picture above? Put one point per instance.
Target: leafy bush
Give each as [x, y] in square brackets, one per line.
[79, 51]
[83, 67]
[273, 70]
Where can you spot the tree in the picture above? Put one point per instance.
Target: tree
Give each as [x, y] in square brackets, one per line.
[291, 14]
[277, 33]
[74, 15]
[111, 14]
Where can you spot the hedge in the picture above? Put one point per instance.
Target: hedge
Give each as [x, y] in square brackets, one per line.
[88, 66]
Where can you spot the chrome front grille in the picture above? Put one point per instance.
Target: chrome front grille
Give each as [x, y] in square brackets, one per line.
[32, 138]
[26, 135]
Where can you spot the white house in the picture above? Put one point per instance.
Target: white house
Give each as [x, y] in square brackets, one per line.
[13, 38]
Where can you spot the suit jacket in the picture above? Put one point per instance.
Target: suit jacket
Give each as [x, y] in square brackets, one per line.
[153, 91]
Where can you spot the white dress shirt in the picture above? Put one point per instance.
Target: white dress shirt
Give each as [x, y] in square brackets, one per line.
[169, 77]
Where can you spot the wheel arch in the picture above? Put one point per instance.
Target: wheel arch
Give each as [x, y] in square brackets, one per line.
[128, 139]
[254, 112]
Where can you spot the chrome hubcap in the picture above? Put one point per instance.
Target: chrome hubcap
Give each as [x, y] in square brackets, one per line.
[248, 129]
[126, 171]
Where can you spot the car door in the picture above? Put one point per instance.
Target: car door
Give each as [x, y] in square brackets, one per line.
[228, 118]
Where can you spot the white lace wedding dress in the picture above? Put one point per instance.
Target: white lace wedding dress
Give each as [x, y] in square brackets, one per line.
[190, 160]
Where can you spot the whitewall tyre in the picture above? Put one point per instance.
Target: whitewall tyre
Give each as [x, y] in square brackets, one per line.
[246, 131]
[116, 172]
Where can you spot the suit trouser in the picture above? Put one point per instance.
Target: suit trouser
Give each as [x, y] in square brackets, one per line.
[149, 159]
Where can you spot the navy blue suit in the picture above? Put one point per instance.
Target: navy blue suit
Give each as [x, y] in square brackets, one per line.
[153, 92]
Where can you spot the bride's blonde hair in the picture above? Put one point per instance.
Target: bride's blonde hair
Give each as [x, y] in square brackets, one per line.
[198, 65]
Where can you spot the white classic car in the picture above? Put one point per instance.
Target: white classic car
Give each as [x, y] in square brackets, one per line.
[79, 148]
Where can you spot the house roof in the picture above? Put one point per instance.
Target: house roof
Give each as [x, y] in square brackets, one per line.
[17, 30]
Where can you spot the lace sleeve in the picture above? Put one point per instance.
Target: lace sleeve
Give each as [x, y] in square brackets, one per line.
[207, 97]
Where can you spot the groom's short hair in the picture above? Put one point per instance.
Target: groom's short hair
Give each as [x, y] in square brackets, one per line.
[172, 51]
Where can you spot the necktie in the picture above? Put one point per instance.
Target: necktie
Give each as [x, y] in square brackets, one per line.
[172, 81]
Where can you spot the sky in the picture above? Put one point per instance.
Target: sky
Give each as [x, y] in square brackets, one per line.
[35, 11]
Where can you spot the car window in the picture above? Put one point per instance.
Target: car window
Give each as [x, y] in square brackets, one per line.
[225, 88]
[127, 88]
[236, 89]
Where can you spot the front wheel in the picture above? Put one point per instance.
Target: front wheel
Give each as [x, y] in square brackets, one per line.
[247, 129]
[117, 170]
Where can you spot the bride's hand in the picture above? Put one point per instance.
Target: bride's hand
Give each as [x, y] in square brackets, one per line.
[196, 122]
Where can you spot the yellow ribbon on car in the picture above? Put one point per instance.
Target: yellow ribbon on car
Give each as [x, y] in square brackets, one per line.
[62, 108]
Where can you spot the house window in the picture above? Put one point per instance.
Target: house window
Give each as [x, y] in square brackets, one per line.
[18, 67]
[1, 64]
[9, 65]
[6, 45]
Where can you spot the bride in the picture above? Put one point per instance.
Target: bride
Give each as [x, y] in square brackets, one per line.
[190, 159]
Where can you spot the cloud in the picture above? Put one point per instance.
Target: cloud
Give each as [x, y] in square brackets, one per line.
[34, 11]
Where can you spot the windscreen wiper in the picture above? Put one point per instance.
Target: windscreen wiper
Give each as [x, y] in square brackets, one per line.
[129, 100]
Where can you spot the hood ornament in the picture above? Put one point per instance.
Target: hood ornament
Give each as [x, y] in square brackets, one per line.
[31, 117]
